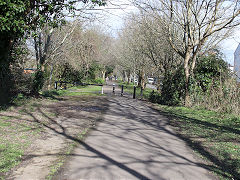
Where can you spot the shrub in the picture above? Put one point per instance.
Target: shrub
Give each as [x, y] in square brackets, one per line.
[224, 98]
[211, 71]
[155, 97]
[173, 88]
[99, 81]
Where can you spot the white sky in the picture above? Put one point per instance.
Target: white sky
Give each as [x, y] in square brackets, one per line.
[112, 15]
[115, 12]
[229, 46]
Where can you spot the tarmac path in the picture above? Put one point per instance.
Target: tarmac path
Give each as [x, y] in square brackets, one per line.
[133, 141]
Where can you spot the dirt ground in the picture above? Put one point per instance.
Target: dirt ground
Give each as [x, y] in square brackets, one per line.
[129, 140]
[60, 123]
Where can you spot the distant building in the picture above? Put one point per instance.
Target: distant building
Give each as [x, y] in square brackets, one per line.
[231, 68]
[29, 70]
[237, 63]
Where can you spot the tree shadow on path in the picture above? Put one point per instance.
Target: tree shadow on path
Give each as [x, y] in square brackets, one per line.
[223, 167]
[136, 113]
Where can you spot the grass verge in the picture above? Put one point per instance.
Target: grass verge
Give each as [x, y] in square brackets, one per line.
[129, 89]
[18, 129]
[16, 135]
[74, 91]
[214, 136]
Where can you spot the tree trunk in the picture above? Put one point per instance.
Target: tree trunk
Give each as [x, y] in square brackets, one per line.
[128, 77]
[159, 81]
[187, 100]
[41, 50]
[104, 75]
[141, 79]
[50, 77]
[38, 82]
[6, 83]
[125, 77]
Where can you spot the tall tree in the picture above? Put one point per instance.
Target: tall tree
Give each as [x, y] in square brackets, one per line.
[194, 22]
[145, 49]
[17, 18]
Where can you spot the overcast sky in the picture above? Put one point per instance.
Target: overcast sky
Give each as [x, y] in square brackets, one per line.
[115, 13]
[229, 46]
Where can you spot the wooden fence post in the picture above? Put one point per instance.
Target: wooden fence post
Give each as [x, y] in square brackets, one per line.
[134, 92]
[113, 88]
[122, 91]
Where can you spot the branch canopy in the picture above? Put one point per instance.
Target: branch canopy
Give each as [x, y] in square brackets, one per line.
[20, 16]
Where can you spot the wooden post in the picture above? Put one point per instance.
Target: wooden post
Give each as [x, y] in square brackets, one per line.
[122, 91]
[134, 92]
[113, 88]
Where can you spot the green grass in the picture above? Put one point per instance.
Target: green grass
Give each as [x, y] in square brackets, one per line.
[50, 114]
[129, 89]
[74, 91]
[5, 117]
[216, 137]
[87, 88]
[20, 99]
[16, 135]
[10, 156]
[14, 139]
[4, 123]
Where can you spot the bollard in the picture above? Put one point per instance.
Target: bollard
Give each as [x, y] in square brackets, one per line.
[55, 85]
[113, 88]
[134, 92]
[122, 91]
[102, 90]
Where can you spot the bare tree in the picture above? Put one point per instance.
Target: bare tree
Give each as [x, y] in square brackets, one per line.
[132, 48]
[156, 47]
[77, 48]
[48, 46]
[190, 25]
[145, 48]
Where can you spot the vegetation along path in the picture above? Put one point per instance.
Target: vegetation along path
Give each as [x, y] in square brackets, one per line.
[132, 141]
[51, 127]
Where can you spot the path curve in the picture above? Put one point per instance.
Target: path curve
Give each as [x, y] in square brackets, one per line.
[133, 142]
